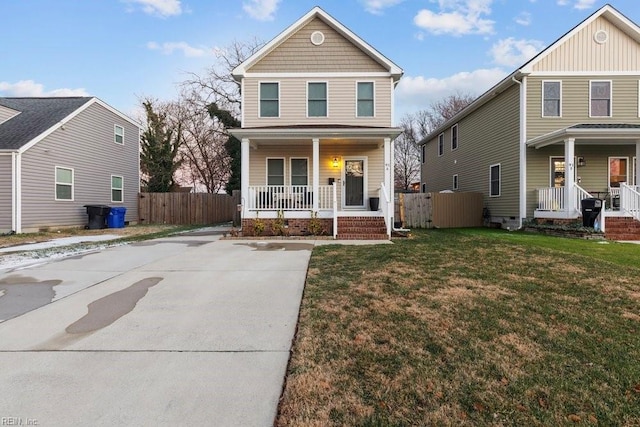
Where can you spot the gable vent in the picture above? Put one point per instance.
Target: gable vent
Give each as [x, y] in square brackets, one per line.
[317, 38]
[600, 36]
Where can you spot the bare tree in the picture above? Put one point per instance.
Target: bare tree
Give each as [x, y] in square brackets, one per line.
[444, 109]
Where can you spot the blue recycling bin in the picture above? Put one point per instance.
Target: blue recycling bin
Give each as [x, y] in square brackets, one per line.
[115, 219]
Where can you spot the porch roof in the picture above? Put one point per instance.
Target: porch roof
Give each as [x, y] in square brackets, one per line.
[321, 131]
[597, 133]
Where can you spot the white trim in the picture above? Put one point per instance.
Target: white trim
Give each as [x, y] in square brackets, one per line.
[245, 154]
[543, 99]
[499, 165]
[113, 188]
[365, 182]
[291, 170]
[18, 228]
[56, 183]
[609, 169]
[440, 136]
[312, 75]
[326, 86]
[392, 97]
[610, 98]
[581, 73]
[319, 132]
[14, 190]
[638, 98]
[457, 137]
[314, 39]
[523, 149]
[373, 83]
[242, 103]
[455, 184]
[260, 116]
[284, 170]
[115, 134]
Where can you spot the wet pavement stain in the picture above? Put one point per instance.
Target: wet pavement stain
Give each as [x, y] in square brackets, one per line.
[106, 310]
[22, 294]
[279, 246]
[207, 233]
[189, 243]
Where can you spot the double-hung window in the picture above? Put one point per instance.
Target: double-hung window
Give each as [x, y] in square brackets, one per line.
[441, 144]
[269, 99]
[423, 153]
[494, 180]
[455, 182]
[118, 134]
[454, 137]
[117, 193]
[551, 99]
[64, 183]
[365, 100]
[600, 98]
[299, 171]
[275, 171]
[317, 99]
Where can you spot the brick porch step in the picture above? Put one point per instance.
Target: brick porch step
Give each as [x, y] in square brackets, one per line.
[362, 228]
[622, 228]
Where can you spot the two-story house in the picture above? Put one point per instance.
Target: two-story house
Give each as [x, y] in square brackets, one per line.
[317, 133]
[563, 127]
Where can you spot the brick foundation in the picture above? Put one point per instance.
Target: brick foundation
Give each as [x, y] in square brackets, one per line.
[294, 227]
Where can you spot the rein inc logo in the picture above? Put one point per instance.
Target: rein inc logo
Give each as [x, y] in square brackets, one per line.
[18, 421]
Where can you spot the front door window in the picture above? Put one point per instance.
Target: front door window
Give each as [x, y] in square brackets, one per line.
[618, 170]
[354, 183]
[557, 171]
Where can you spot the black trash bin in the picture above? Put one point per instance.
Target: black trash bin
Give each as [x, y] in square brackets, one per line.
[97, 216]
[591, 208]
[374, 203]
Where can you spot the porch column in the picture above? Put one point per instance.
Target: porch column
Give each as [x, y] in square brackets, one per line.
[569, 171]
[316, 174]
[244, 176]
[387, 165]
[637, 177]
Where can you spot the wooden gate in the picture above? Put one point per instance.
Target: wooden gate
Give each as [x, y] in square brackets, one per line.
[441, 210]
[186, 208]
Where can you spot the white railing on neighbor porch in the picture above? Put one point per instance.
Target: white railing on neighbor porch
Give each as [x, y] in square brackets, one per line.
[630, 200]
[289, 197]
[386, 206]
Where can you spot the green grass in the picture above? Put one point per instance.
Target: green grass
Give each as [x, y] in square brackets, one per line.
[468, 327]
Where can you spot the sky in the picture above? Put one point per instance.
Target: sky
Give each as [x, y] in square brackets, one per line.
[122, 51]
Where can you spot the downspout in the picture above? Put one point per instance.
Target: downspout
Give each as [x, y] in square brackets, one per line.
[523, 149]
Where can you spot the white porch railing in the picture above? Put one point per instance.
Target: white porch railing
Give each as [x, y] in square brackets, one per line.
[288, 197]
[630, 200]
[551, 199]
[386, 207]
[581, 194]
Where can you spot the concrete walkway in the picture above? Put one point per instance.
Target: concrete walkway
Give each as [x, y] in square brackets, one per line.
[187, 330]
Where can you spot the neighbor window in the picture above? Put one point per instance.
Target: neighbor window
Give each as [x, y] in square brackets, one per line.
[365, 99]
[600, 99]
[423, 153]
[494, 180]
[118, 134]
[269, 99]
[299, 172]
[618, 170]
[454, 137]
[317, 99]
[551, 99]
[64, 184]
[441, 144]
[455, 181]
[275, 171]
[116, 189]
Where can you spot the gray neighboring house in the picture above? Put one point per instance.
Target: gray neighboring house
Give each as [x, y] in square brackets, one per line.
[59, 154]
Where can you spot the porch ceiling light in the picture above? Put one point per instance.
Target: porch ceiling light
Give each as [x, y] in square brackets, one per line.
[335, 163]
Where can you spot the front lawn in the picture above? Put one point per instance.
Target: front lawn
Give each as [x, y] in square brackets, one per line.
[468, 327]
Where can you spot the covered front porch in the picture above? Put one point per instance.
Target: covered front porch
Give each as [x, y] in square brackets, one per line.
[304, 179]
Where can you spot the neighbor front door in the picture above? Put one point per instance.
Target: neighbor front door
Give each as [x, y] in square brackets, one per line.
[354, 182]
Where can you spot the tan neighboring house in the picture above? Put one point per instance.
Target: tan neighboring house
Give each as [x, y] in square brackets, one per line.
[317, 133]
[59, 154]
[563, 127]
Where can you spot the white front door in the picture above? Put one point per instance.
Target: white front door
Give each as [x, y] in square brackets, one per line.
[354, 178]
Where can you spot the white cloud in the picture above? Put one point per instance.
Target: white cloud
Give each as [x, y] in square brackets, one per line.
[417, 93]
[27, 88]
[377, 6]
[510, 52]
[163, 8]
[577, 4]
[262, 10]
[187, 50]
[457, 17]
[524, 19]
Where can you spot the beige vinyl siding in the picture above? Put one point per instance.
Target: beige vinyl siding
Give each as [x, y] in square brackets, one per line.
[620, 52]
[341, 101]
[575, 103]
[593, 176]
[298, 54]
[6, 113]
[373, 154]
[5, 193]
[87, 146]
[488, 136]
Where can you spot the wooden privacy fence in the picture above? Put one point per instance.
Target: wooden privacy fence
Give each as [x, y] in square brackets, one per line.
[186, 208]
[441, 210]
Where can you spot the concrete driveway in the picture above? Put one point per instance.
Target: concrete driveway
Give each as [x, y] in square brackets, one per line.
[187, 330]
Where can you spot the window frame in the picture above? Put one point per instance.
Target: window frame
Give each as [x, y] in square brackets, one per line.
[114, 188]
[284, 170]
[326, 97]
[542, 114]
[610, 98]
[291, 159]
[373, 100]
[499, 166]
[423, 153]
[455, 184]
[260, 100]
[457, 137]
[56, 183]
[441, 145]
[626, 158]
[424, 187]
[115, 134]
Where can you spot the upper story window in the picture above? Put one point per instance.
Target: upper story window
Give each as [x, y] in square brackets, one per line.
[454, 136]
[441, 144]
[551, 99]
[365, 99]
[424, 153]
[317, 99]
[600, 98]
[275, 171]
[117, 194]
[494, 180]
[64, 183]
[118, 134]
[270, 99]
